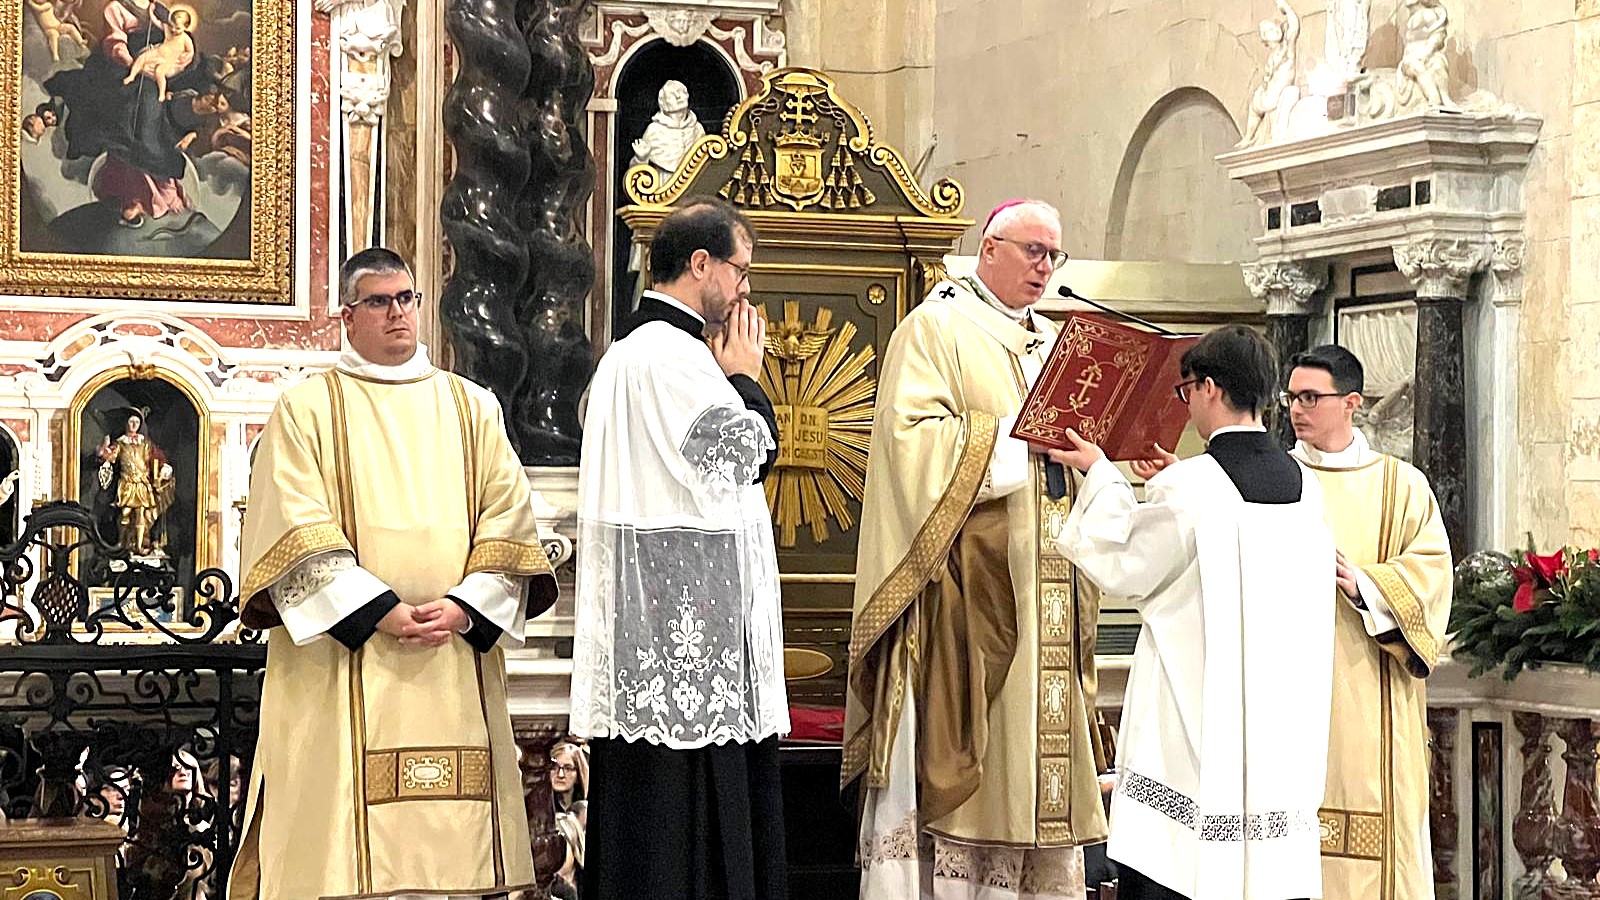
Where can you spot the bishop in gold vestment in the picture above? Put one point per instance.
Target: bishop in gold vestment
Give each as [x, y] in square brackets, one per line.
[386, 499]
[1389, 627]
[971, 655]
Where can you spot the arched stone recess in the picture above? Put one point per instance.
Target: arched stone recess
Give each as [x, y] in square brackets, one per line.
[1171, 201]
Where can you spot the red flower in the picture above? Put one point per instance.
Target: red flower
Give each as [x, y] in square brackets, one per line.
[1549, 568]
[1523, 601]
[1594, 556]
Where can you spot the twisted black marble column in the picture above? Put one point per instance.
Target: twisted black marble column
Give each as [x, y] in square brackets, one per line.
[483, 122]
[1439, 440]
[551, 207]
[1290, 334]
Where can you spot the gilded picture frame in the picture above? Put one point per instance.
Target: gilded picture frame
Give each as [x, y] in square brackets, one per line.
[143, 158]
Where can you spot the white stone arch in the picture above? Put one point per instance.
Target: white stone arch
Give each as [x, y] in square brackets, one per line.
[1169, 164]
[197, 356]
[1216, 52]
[652, 39]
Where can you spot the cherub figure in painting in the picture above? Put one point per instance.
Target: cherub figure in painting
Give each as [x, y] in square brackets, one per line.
[50, 21]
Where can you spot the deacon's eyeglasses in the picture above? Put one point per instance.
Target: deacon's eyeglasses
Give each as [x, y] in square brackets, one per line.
[381, 302]
[563, 769]
[1307, 399]
[1036, 251]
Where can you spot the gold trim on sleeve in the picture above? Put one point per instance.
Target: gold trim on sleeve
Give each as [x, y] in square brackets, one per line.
[296, 546]
[508, 558]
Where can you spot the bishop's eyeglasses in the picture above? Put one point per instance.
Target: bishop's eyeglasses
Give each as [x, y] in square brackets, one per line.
[1035, 251]
[381, 302]
[1307, 399]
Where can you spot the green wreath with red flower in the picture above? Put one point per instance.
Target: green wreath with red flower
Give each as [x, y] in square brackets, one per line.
[1522, 612]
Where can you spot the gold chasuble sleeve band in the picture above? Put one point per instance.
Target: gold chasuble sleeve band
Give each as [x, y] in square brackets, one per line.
[508, 558]
[295, 547]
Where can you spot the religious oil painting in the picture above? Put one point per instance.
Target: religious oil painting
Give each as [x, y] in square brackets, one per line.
[150, 149]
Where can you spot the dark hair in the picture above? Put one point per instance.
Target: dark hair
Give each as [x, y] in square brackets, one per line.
[1240, 361]
[371, 261]
[1348, 376]
[52, 105]
[711, 225]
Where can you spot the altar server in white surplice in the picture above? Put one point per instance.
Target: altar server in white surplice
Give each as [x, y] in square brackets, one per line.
[678, 665]
[1224, 741]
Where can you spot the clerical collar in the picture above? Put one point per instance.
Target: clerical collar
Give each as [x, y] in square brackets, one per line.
[1358, 454]
[418, 366]
[1231, 429]
[982, 290]
[674, 301]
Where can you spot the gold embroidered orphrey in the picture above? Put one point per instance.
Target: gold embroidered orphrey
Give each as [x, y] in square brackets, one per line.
[265, 277]
[822, 397]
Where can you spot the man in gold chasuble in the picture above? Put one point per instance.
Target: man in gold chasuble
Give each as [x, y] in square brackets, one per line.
[971, 655]
[390, 545]
[1395, 581]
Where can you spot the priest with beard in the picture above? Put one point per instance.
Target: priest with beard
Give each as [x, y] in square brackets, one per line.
[677, 670]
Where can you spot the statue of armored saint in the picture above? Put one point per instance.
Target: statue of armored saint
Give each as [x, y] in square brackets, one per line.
[144, 488]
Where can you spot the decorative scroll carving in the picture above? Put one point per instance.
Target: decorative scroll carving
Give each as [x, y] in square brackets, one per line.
[1443, 819]
[680, 27]
[1286, 286]
[482, 120]
[561, 271]
[369, 36]
[1577, 834]
[1506, 262]
[1440, 267]
[1533, 829]
[748, 39]
[767, 43]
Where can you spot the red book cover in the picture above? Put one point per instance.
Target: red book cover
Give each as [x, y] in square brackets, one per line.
[1113, 384]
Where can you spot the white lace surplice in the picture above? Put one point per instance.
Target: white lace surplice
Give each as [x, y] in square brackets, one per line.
[678, 625]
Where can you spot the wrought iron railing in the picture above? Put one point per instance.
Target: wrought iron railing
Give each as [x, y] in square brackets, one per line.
[126, 694]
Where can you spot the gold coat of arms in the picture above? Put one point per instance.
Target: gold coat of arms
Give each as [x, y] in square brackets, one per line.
[797, 178]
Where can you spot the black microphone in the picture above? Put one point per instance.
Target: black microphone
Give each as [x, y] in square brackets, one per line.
[1070, 295]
